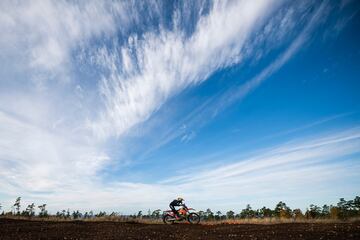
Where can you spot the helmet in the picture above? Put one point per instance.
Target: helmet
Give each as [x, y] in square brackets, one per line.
[180, 199]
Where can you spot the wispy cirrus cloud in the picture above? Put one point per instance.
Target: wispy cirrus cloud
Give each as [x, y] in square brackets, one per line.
[305, 151]
[286, 166]
[279, 30]
[240, 92]
[149, 70]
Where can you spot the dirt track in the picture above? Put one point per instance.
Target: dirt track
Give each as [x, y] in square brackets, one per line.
[20, 229]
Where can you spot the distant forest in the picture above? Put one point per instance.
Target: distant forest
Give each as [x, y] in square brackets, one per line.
[342, 210]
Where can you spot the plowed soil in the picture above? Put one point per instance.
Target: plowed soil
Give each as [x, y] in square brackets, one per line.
[22, 229]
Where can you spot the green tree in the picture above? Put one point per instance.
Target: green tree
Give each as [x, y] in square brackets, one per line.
[30, 210]
[17, 205]
[248, 212]
[342, 204]
[282, 211]
[76, 214]
[356, 203]
[2, 213]
[209, 214]
[43, 211]
[201, 214]
[230, 214]
[344, 208]
[313, 211]
[297, 213]
[63, 213]
[101, 214]
[353, 207]
[218, 215]
[325, 212]
[265, 212]
[156, 214]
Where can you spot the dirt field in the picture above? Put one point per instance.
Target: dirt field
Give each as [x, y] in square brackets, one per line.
[22, 229]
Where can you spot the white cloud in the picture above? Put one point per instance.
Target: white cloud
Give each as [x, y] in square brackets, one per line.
[188, 136]
[152, 69]
[238, 93]
[310, 151]
[36, 159]
[42, 34]
[278, 30]
[44, 145]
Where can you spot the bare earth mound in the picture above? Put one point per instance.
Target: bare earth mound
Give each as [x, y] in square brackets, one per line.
[22, 229]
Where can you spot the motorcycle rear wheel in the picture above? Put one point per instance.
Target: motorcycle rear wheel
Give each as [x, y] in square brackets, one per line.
[168, 219]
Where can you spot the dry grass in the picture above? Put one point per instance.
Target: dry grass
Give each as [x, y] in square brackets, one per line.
[277, 221]
[262, 221]
[94, 219]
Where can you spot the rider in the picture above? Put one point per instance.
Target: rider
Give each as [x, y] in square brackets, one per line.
[177, 203]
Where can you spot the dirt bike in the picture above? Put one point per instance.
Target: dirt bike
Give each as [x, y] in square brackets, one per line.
[185, 213]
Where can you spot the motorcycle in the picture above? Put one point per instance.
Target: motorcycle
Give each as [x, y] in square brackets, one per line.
[186, 214]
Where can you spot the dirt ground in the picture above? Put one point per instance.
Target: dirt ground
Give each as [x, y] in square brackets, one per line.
[22, 229]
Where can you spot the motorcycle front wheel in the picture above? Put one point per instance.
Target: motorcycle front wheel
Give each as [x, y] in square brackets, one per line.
[193, 218]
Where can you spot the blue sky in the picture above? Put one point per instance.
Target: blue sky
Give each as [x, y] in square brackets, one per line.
[124, 106]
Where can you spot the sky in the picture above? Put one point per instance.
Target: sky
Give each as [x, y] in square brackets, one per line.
[125, 105]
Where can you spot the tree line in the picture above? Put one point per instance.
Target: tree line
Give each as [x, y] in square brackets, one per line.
[342, 210]
[28, 212]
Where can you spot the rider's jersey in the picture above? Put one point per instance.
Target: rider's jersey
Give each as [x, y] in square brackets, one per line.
[177, 203]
